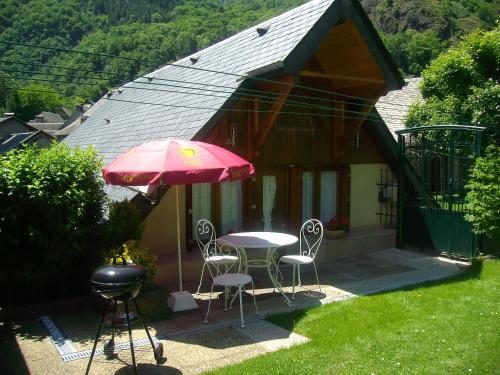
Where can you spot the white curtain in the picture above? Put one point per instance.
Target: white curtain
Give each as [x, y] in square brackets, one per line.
[230, 206]
[307, 195]
[201, 203]
[269, 194]
[328, 195]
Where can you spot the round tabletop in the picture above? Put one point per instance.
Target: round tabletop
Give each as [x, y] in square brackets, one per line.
[258, 239]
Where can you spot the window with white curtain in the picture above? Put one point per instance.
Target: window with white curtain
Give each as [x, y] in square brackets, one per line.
[268, 199]
[230, 206]
[328, 195]
[307, 195]
[201, 204]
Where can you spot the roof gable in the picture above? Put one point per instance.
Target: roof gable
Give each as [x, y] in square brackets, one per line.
[153, 108]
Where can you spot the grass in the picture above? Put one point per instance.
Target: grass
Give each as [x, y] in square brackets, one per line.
[446, 327]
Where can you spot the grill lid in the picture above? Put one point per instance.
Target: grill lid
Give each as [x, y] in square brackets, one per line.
[118, 274]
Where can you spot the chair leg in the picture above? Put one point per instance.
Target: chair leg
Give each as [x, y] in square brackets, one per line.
[241, 307]
[293, 282]
[226, 297]
[209, 302]
[300, 281]
[254, 302]
[317, 279]
[201, 278]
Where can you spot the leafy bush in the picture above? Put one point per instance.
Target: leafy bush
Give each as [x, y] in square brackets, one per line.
[483, 197]
[51, 221]
[135, 252]
[124, 224]
[462, 86]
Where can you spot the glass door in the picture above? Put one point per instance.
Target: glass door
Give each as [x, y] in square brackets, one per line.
[230, 204]
[328, 195]
[201, 204]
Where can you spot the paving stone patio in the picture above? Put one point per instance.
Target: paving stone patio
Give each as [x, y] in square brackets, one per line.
[192, 347]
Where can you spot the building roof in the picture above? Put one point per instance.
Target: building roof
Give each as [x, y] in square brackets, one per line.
[15, 140]
[48, 117]
[290, 41]
[394, 106]
[28, 127]
[71, 127]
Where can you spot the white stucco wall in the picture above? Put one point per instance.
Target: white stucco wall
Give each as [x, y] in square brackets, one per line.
[364, 203]
[160, 230]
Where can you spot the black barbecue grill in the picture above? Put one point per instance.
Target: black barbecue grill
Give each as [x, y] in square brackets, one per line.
[120, 282]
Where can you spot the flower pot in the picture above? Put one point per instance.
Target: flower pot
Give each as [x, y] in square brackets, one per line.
[335, 234]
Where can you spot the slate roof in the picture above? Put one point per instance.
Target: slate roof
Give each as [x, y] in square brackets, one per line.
[118, 125]
[15, 140]
[72, 126]
[48, 117]
[394, 106]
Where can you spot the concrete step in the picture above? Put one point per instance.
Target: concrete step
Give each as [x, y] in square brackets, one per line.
[358, 241]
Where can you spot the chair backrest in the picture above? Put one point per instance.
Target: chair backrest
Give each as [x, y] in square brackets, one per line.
[311, 235]
[206, 238]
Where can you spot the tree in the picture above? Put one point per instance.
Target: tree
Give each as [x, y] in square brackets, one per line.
[462, 86]
[31, 100]
[483, 197]
[412, 50]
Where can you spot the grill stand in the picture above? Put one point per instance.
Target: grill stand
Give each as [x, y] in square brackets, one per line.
[109, 346]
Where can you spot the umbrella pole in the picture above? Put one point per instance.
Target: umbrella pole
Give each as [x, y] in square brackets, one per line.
[178, 236]
[180, 301]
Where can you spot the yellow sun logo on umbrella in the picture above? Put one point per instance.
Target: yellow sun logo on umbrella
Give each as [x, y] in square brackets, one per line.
[190, 157]
[188, 152]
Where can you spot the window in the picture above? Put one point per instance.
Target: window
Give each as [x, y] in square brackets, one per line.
[328, 195]
[201, 200]
[307, 195]
[268, 197]
[230, 206]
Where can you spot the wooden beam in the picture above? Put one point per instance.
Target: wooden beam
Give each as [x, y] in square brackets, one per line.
[337, 129]
[340, 77]
[355, 125]
[282, 90]
[253, 127]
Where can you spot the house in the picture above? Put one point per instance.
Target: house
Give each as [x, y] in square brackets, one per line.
[49, 122]
[15, 132]
[77, 119]
[294, 94]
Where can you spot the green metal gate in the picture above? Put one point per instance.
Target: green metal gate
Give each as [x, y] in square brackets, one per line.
[435, 162]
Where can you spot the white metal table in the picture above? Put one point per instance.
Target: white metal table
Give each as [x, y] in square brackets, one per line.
[270, 241]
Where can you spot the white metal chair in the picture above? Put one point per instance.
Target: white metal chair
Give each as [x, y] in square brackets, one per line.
[311, 235]
[229, 280]
[213, 254]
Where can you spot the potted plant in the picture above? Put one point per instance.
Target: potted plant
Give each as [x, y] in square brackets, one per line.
[337, 227]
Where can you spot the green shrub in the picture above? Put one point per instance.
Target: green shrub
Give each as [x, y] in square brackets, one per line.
[51, 221]
[483, 197]
[124, 224]
[461, 86]
[134, 251]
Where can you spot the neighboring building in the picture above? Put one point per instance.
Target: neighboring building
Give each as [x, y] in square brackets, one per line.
[15, 132]
[74, 122]
[38, 138]
[9, 124]
[311, 161]
[49, 122]
[394, 106]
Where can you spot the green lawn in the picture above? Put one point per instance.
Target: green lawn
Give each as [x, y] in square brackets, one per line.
[447, 327]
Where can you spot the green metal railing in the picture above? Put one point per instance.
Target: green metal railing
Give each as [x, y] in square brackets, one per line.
[435, 163]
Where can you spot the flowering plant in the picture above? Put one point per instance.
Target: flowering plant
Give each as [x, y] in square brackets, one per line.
[340, 223]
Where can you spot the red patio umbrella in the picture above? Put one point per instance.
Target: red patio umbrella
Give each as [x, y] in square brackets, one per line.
[176, 162]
